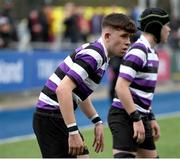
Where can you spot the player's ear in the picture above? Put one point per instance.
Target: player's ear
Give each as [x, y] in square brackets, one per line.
[107, 36]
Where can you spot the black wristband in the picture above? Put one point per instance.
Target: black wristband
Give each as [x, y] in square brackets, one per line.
[151, 116]
[135, 116]
[72, 128]
[96, 119]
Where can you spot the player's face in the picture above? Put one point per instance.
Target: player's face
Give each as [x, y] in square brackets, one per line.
[165, 33]
[119, 41]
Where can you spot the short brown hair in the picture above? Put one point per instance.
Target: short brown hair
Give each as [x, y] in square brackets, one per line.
[119, 21]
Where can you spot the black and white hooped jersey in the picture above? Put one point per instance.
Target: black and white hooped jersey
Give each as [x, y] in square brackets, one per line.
[86, 67]
[140, 67]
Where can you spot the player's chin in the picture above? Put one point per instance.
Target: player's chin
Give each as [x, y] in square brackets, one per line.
[122, 53]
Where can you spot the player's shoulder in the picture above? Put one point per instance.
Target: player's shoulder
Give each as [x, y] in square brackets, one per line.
[138, 49]
[95, 50]
[140, 46]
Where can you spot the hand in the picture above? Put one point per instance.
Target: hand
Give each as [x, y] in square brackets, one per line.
[76, 145]
[155, 130]
[139, 131]
[98, 143]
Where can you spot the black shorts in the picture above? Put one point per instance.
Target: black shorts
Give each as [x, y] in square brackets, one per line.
[122, 131]
[52, 135]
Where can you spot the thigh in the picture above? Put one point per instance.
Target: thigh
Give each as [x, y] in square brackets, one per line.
[148, 143]
[52, 136]
[147, 148]
[122, 130]
[144, 153]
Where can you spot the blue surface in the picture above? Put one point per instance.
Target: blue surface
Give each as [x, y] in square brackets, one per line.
[166, 103]
[26, 71]
[19, 122]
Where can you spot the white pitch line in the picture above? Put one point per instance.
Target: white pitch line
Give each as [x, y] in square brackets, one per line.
[17, 139]
[168, 115]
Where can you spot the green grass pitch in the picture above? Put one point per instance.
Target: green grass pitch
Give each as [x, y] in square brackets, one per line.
[168, 146]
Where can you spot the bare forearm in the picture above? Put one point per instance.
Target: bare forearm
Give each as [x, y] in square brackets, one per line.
[127, 101]
[64, 95]
[66, 107]
[87, 108]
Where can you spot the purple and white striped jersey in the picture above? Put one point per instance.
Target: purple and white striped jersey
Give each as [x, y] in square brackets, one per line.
[140, 67]
[86, 67]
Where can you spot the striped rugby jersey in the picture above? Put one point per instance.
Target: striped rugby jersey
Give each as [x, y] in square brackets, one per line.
[140, 67]
[86, 67]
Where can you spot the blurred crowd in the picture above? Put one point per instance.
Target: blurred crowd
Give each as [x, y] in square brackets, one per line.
[8, 26]
[69, 24]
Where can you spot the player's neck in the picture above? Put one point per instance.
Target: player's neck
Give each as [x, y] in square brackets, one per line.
[151, 39]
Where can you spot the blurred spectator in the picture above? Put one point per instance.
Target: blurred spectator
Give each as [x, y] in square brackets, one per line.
[135, 15]
[34, 26]
[83, 24]
[7, 12]
[6, 35]
[80, 23]
[96, 23]
[24, 36]
[40, 25]
[174, 38]
[46, 21]
[72, 31]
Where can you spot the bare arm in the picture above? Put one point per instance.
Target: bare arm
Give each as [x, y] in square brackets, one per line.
[89, 110]
[64, 95]
[154, 125]
[123, 93]
[155, 129]
[87, 107]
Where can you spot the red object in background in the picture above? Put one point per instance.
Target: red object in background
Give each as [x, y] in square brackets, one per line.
[164, 65]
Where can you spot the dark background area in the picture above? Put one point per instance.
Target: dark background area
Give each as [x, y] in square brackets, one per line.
[22, 7]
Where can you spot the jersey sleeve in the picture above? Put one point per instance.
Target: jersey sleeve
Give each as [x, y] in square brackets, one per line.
[133, 62]
[85, 63]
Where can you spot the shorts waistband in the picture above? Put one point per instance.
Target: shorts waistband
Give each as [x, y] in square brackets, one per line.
[47, 112]
[143, 115]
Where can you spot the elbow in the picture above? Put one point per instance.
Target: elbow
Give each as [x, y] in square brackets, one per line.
[116, 88]
[59, 90]
[62, 90]
[119, 87]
